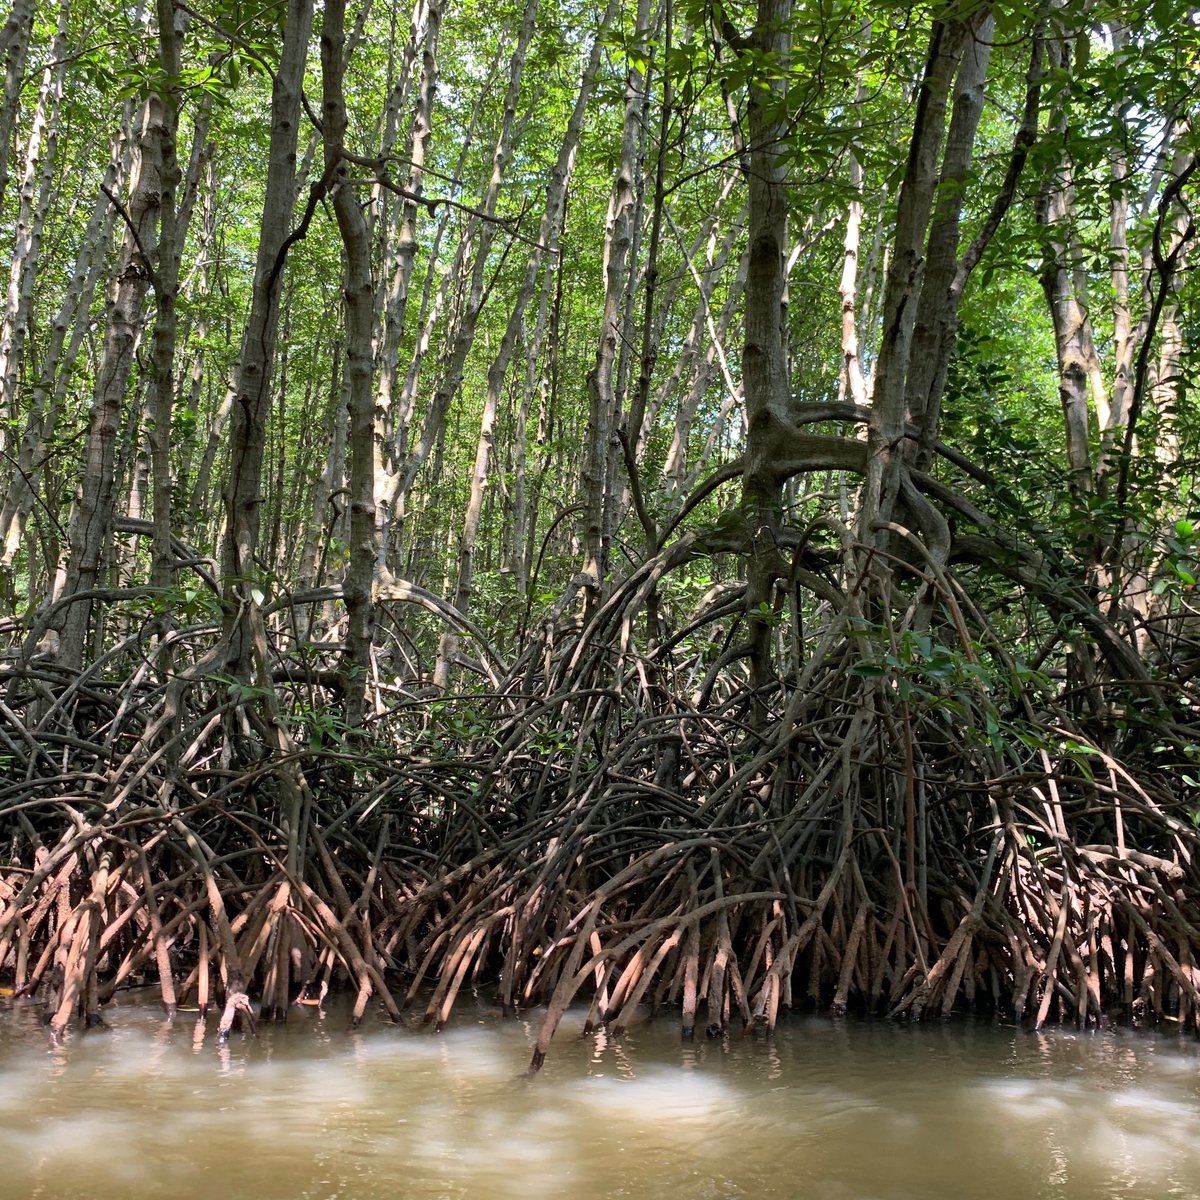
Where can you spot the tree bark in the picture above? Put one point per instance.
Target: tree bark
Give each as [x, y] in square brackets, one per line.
[602, 397]
[92, 519]
[251, 400]
[358, 292]
[903, 288]
[14, 45]
[166, 294]
[549, 230]
[764, 359]
[68, 329]
[426, 28]
[37, 178]
[1074, 343]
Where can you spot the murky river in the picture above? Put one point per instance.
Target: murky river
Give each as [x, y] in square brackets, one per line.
[827, 1111]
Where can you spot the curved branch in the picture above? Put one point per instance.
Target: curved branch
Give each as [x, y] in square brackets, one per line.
[408, 593]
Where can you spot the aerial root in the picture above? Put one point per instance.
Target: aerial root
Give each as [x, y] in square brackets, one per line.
[610, 830]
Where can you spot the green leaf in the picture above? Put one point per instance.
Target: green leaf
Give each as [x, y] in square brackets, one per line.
[868, 670]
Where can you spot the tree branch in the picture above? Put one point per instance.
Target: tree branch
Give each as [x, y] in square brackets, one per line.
[151, 273]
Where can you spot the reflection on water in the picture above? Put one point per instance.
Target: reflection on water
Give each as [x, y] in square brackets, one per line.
[828, 1111]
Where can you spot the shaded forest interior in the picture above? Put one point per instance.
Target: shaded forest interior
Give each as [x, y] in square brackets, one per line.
[690, 504]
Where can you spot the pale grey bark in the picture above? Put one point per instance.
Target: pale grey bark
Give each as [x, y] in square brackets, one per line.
[426, 26]
[548, 234]
[1167, 385]
[14, 46]
[252, 391]
[473, 252]
[400, 462]
[617, 484]
[948, 40]
[1128, 336]
[92, 517]
[197, 283]
[1074, 343]
[651, 331]
[68, 330]
[601, 379]
[851, 381]
[37, 178]
[1167, 264]
[358, 292]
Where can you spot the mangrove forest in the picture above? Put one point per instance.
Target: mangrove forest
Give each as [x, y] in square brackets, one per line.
[674, 503]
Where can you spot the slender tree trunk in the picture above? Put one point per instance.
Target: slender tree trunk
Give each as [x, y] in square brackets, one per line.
[359, 293]
[1128, 337]
[676, 469]
[1073, 339]
[852, 383]
[14, 45]
[704, 248]
[473, 249]
[166, 320]
[426, 28]
[401, 461]
[37, 178]
[602, 397]
[92, 518]
[707, 335]
[549, 231]
[191, 392]
[326, 506]
[534, 382]
[251, 399]
[68, 330]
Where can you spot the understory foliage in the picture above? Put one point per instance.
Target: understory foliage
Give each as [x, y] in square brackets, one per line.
[690, 505]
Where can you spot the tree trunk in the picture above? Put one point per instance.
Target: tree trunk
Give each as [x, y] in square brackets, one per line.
[1073, 339]
[426, 28]
[359, 293]
[14, 45]
[166, 292]
[548, 234]
[251, 400]
[37, 179]
[602, 398]
[903, 288]
[92, 519]
[68, 330]
[764, 361]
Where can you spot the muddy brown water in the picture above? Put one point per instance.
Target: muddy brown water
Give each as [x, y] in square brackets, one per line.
[826, 1111]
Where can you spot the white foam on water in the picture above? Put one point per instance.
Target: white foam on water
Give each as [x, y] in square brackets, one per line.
[658, 1095]
[386, 1113]
[1173, 1060]
[1154, 1105]
[1033, 1100]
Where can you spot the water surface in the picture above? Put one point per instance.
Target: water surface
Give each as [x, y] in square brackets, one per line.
[826, 1111]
